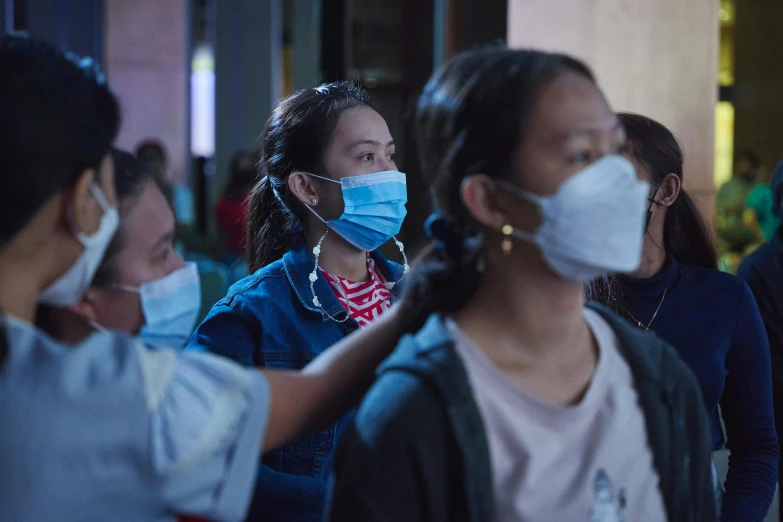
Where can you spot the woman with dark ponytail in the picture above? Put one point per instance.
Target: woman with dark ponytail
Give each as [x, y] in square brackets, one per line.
[515, 401]
[710, 317]
[105, 428]
[329, 195]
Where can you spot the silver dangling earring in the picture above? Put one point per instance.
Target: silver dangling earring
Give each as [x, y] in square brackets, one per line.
[314, 278]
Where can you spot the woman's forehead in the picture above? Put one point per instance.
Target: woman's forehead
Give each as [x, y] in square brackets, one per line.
[570, 106]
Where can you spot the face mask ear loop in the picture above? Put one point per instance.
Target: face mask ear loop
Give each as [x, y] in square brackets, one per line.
[321, 177]
[649, 206]
[311, 209]
[126, 288]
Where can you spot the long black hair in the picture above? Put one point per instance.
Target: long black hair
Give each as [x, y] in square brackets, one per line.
[295, 138]
[131, 177]
[686, 236]
[470, 119]
[57, 118]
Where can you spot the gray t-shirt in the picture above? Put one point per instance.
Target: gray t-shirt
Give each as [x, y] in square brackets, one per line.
[584, 463]
[109, 430]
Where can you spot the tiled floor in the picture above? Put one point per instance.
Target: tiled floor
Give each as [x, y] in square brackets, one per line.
[721, 464]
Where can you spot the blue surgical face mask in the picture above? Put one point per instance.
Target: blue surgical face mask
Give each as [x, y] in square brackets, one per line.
[374, 208]
[171, 306]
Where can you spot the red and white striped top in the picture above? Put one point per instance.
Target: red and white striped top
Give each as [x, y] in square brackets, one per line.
[369, 299]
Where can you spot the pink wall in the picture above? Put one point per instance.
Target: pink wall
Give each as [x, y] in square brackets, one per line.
[658, 58]
[146, 60]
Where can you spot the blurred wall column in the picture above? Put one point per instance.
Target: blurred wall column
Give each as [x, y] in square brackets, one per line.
[147, 62]
[7, 17]
[74, 26]
[657, 58]
[306, 40]
[248, 76]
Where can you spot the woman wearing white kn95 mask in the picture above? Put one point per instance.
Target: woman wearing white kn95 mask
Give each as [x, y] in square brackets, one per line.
[142, 286]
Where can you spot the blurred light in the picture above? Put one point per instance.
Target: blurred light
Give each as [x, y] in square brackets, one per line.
[202, 103]
[724, 15]
[371, 83]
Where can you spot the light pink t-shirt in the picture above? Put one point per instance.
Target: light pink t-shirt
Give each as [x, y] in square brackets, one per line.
[584, 463]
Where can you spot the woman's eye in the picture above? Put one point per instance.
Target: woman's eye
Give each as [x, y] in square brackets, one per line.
[580, 158]
[367, 157]
[621, 149]
[393, 158]
[164, 256]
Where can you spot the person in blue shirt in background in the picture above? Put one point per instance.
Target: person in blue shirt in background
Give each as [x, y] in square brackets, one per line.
[763, 271]
[710, 317]
[329, 195]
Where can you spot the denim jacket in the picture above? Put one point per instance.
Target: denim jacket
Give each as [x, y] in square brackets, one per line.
[268, 320]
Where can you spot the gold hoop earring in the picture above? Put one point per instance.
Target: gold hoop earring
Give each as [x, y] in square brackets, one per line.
[506, 245]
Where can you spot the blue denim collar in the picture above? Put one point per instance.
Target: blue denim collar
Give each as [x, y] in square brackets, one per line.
[298, 264]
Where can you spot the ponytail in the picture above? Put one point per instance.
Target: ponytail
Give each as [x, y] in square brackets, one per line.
[686, 235]
[271, 227]
[446, 274]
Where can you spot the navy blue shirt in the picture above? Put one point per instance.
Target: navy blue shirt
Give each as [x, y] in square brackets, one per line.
[712, 319]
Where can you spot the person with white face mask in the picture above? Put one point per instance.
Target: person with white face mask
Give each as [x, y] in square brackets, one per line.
[516, 401]
[142, 286]
[105, 428]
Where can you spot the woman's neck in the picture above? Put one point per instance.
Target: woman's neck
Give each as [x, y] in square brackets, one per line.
[19, 286]
[653, 256]
[526, 315]
[338, 257]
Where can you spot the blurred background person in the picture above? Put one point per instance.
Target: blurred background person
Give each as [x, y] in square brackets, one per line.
[231, 210]
[763, 271]
[735, 232]
[724, 343]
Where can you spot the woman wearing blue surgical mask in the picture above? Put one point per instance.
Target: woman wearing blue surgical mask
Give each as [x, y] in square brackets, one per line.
[142, 286]
[515, 401]
[105, 428]
[329, 196]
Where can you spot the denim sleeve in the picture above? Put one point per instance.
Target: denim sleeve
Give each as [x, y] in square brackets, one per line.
[747, 409]
[281, 496]
[228, 332]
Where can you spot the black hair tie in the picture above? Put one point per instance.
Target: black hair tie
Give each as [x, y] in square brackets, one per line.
[448, 240]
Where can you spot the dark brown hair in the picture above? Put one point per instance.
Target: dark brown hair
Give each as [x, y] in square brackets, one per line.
[295, 138]
[470, 119]
[57, 118]
[686, 236]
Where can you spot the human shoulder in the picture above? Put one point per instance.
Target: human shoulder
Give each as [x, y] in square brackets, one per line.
[705, 280]
[765, 259]
[654, 363]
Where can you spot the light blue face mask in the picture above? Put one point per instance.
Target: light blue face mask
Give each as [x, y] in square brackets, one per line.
[374, 208]
[171, 306]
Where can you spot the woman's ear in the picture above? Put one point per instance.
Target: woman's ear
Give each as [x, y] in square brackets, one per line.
[668, 190]
[480, 196]
[304, 188]
[87, 306]
[85, 211]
